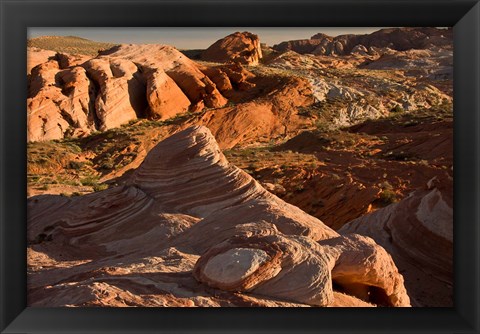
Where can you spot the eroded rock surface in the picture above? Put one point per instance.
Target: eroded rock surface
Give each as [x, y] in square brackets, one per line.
[409, 230]
[241, 47]
[185, 72]
[121, 94]
[399, 39]
[190, 229]
[36, 56]
[59, 103]
[120, 85]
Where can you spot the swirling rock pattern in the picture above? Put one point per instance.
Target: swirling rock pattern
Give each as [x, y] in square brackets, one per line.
[299, 269]
[293, 268]
[190, 229]
[409, 230]
[364, 269]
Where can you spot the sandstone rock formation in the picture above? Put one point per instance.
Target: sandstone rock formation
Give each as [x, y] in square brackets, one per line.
[435, 63]
[120, 85]
[409, 231]
[190, 229]
[241, 47]
[36, 56]
[302, 46]
[273, 114]
[158, 82]
[185, 72]
[416, 80]
[164, 97]
[298, 269]
[66, 60]
[229, 76]
[59, 102]
[121, 94]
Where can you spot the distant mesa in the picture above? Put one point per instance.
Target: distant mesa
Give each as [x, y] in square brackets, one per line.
[241, 47]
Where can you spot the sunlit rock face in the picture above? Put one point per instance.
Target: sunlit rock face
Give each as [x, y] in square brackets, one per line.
[240, 47]
[72, 97]
[190, 229]
[409, 230]
[398, 39]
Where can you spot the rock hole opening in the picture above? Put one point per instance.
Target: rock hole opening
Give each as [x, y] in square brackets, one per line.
[368, 293]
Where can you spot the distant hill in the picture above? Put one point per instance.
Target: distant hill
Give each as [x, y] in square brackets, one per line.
[69, 44]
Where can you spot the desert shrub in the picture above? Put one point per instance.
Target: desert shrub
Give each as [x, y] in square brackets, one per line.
[75, 165]
[398, 109]
[322, 126]
[91, 180]
[108, 165]
[386, 185]
[69, 182]
[42, 161]
[388, 196]
[73, 147]
[336, 177]
[33, 178]
[305, 112]
[100, 187]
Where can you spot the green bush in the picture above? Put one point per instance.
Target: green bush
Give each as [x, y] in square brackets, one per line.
[75, 165]
[388, 196]
[100, 187]
[398, 108]
[89, 180]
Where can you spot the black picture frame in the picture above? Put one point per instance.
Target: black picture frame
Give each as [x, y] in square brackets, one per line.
[18, 15]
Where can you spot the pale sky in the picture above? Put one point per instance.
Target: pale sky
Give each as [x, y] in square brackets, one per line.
[191, 37]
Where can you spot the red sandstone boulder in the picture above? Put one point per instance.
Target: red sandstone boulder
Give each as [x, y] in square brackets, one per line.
[59, 102]
[241, 47]
[121, 92]
[164, 97]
